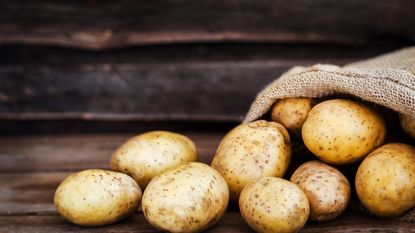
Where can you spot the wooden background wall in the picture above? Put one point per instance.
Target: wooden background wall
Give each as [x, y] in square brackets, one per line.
[176, 60]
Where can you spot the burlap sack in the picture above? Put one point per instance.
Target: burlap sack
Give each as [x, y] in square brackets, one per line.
[387, 80]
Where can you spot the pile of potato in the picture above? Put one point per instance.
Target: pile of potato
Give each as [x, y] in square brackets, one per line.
[181, 195]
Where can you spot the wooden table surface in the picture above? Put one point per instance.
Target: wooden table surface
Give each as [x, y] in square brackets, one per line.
[32, 166]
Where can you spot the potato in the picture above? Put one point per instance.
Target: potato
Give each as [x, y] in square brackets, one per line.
[408, 125]
[342, 131]
[250, 151]
[188, 198]
[291, 113]
[327, 189]
[272, 204]
[149, 154]
[385, 180]
[97, 197]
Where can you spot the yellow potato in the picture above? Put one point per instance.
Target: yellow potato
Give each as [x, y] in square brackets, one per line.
[408, 125]
[250, 151]
[385, 180]
[291, 113]
[327, 189]
[342, 131]
[272, 204]
[148, 155]
[188, 198]
[97, 197]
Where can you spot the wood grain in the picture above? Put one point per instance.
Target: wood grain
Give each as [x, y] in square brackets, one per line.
[231, 222]
[108, 24]
[32, 166]
[77, 152]
[82, 151]
[194, 82]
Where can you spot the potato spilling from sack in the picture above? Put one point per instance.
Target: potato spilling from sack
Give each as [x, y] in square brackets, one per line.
[342, 131]
[188, 198]
[97, 197]
[148, 155]
[291, 113]
[385, 180]
[251, 151]
[327, 189]
[272, 204]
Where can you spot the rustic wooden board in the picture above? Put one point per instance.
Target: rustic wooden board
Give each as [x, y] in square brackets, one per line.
[81, 151]
[105, 24]
[32, 166]
[231, 222]
[194, 82]
[77, 152]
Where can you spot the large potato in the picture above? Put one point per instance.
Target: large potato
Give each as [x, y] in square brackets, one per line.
[291, 113]
[342, 131]
[272, 204]
[149, 154]
[327, 189]
[408, 125]
[250, 151]
[385, 180]
[188, 198]
[97, 197]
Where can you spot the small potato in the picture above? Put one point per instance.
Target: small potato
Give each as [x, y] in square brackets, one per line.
[327, 189]
[272, 204]
[250, 151]
[148, 155]
[342, 131]
[385, 180]
[291, 113]
[408, 125]
[97, 197]
[188, 198]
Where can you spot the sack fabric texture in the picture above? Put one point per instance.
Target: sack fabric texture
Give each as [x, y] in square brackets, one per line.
[387, 80]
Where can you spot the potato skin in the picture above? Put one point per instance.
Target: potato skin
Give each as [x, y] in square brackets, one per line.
[188, 198]
[385, 180]
[250, 151]
[291, 113]
[97, 197]
[408, 125]
[149, 154]
[272, 204]
[327, 189]
[342, 131]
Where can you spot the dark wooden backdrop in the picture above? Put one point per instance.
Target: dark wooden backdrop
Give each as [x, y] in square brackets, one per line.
[179, 60]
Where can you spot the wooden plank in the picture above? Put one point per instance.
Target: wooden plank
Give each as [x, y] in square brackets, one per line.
[77, 152]
[29, 193]
[45, 153]
[31, 175]
[231, 222]
[220, 91]
[112, 126]
[106, 24]
[197, 83]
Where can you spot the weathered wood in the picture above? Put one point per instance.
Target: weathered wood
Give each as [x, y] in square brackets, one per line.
[203, 83]
[219, 91]
[106, 24]
[77, 152]
[31, 167]
[77, 126]
[231, 222]
[82, 151]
